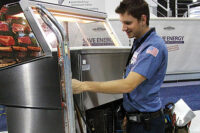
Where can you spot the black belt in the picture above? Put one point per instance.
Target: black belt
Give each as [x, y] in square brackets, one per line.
[143, 116]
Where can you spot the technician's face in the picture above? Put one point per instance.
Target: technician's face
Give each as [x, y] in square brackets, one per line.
[131, 25]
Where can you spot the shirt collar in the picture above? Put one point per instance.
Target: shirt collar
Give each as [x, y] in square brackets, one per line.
[136, 41]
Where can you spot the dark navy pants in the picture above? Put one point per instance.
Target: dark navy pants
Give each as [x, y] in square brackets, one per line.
[157, 125]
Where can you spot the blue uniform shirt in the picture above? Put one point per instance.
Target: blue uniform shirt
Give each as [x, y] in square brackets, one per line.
[150, 60]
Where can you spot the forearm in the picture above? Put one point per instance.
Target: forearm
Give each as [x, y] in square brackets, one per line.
[115, 86]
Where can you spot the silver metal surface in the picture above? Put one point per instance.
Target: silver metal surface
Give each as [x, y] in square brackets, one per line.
[35, 84]
[31, 91]
[27, 120]
[98, 65]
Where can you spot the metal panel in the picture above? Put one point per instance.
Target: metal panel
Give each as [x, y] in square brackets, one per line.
[27, 120]
[98, 65]
[35, 84]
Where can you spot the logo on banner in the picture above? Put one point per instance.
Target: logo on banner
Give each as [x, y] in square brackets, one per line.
[173, 39]
[98, 29]
[98, 42]
[169, 28]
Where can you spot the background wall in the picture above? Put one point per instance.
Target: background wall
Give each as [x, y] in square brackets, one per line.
[107, 6]
[110, 6]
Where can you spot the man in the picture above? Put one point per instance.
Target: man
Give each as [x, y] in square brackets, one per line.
[145, 71]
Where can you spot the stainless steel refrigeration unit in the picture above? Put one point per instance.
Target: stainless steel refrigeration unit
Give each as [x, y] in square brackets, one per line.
[32, 88]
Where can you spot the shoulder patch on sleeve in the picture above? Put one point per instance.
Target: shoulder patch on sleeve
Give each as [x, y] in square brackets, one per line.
[153, 51]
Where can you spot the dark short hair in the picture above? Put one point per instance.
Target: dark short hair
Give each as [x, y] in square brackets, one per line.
[136, 8]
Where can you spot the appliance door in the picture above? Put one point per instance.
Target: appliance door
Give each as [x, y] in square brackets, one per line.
[98, 65]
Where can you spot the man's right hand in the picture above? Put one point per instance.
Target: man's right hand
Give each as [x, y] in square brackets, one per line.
[77, 86]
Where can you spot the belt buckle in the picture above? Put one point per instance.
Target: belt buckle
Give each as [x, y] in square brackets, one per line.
[135, 118]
